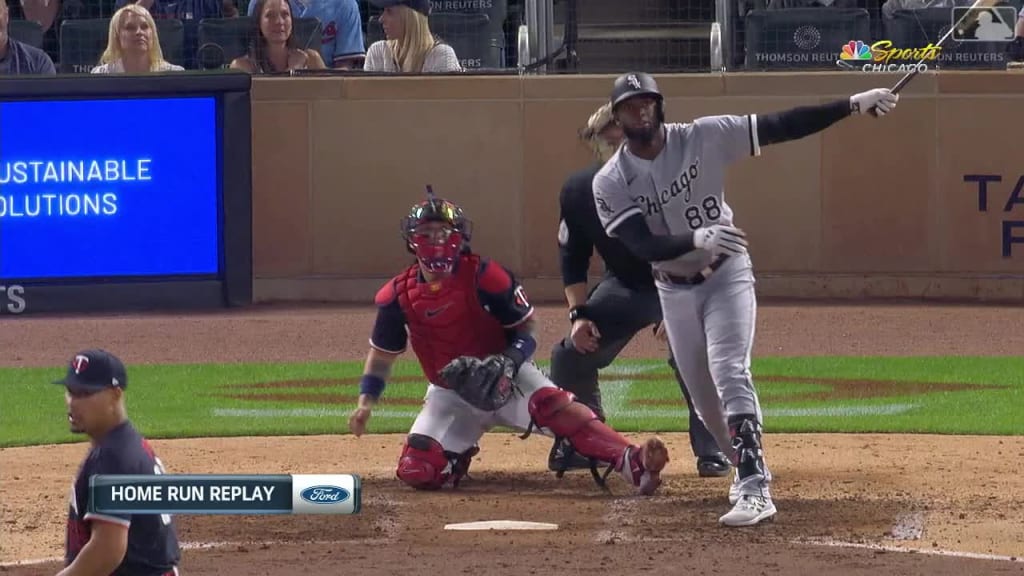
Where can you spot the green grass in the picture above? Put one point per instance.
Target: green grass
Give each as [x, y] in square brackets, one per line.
[797, 394]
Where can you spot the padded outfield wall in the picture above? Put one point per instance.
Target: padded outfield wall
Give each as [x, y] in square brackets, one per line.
[926, 203]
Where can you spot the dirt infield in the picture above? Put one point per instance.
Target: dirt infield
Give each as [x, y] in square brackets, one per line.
[846, 502]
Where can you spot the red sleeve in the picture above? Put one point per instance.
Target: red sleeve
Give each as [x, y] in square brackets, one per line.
[389, 328]
[502, 294]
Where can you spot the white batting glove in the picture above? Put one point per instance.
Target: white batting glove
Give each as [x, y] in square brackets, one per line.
[883, 98]
[719, 239]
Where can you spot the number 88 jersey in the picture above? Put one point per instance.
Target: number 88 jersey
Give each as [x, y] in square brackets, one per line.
[683, 188]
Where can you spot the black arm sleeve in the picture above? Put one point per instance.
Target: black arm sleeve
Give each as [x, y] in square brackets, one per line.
[635, 234]
[798, 122]
[574, 247]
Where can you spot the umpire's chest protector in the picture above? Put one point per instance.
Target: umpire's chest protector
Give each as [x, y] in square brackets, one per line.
[446, 319]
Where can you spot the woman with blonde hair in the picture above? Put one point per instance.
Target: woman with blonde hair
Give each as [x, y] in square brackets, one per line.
[272, 45]
[133, 45]
[410, 46]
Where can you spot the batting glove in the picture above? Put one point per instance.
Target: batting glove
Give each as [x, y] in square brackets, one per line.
[881, 98]
[719, 239]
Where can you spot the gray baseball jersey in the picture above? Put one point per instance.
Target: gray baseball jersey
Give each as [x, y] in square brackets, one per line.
[683, 188]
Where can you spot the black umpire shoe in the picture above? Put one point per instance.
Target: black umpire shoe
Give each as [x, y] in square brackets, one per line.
[564, 457]
[713, 466]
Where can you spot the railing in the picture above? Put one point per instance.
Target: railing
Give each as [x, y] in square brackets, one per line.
[583, 36]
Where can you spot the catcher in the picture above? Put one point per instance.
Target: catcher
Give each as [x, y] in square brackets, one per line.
[470, 325]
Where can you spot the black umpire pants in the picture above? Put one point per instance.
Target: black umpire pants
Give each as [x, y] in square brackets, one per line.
[619, 313]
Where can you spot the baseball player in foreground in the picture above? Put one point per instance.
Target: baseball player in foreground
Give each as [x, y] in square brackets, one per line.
[662, 194]
[470, 325]
[116, 544]
[604, 320]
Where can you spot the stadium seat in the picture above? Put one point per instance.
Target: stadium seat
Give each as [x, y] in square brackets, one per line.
[914, 28]
[496, 11]
[802, 38]
[27, 32]
[82, 43]
[228, 38]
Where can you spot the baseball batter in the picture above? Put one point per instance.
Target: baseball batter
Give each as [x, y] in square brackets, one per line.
[662, 194]
[470, 325]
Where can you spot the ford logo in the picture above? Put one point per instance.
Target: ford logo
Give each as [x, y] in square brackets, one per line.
[324, 494]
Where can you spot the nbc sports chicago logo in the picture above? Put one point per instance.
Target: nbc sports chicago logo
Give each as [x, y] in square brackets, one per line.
[884, 56]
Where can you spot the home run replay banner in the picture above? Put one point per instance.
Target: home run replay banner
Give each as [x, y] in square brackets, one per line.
[225, 494]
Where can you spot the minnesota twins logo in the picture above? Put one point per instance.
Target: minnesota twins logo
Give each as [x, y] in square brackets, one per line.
[80, 363]
[521, 298]
[633, 81]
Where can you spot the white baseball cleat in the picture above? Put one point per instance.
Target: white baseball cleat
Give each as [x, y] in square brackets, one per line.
[734, 490]
[749, 510]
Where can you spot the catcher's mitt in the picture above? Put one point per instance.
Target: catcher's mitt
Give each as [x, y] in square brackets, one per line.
[486, 384]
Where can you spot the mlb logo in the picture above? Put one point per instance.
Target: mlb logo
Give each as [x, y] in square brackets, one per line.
[989, 24]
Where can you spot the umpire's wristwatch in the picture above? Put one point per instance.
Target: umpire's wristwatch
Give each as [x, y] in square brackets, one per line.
[577, 313]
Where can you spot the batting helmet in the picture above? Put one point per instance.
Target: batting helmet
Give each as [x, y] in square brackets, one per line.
[437, 252]
[634, 84]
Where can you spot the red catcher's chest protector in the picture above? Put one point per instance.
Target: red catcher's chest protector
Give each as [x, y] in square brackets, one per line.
[446, 319]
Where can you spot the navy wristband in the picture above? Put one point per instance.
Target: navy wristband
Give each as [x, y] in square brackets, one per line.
[521, 349]
[371, 385]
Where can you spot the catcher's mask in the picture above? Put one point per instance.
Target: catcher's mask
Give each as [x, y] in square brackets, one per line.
[436, 231]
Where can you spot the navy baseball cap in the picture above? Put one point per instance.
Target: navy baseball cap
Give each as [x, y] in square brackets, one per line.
[95, 370]
[421, 6]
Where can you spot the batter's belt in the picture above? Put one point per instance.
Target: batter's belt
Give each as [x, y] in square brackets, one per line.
[693, 280]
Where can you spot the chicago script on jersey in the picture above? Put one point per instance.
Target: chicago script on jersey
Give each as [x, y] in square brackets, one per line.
[682, 183]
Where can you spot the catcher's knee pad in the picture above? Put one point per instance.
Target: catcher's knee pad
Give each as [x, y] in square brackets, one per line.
[547, 409]
[423, 464]
[745, 431]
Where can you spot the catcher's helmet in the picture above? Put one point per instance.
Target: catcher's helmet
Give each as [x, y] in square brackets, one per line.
[634, 84]
[437, 251]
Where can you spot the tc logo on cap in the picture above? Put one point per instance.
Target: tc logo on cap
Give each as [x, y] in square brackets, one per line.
[80, 363]
[633, 81]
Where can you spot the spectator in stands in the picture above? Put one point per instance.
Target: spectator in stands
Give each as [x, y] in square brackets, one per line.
[783, 4]
[17, 57]
[272, 46]
[183, 9]
[1016, 48]
[891, 6]
[133, 45]
[341, 29]
[409, 45]
[46, 13]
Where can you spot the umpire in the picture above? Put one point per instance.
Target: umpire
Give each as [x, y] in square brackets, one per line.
[605, 320]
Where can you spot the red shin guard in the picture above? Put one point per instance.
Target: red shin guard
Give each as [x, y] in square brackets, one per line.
[423, 464]
[556, 410]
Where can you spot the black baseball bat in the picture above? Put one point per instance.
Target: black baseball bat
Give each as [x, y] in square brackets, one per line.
[910, 75]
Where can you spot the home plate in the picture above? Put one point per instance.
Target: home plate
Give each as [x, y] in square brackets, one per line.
[501, 525]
